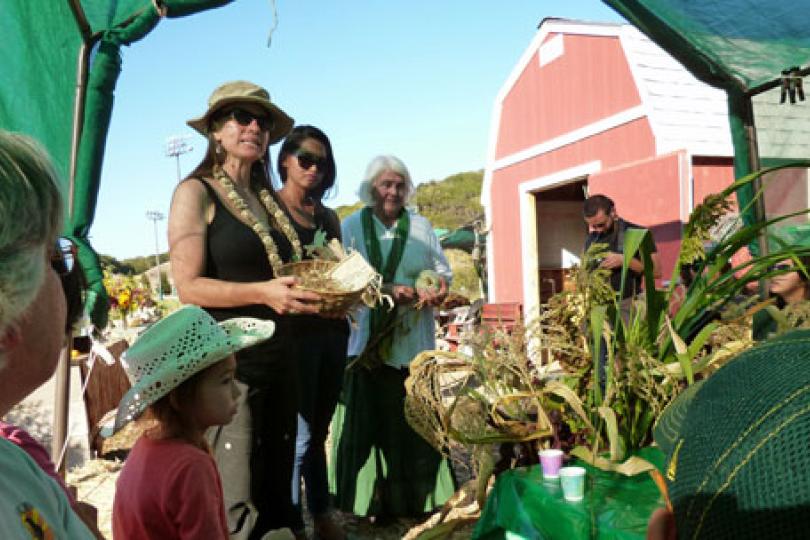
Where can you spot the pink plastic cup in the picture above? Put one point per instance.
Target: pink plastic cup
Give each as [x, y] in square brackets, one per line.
[551, 461]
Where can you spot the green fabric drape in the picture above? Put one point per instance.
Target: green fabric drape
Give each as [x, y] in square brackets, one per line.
[102, 78]
[38, 89]
[39, 45]
[383, 316]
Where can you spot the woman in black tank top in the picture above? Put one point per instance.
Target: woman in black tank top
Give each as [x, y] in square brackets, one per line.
[307, 170]
[228, 237]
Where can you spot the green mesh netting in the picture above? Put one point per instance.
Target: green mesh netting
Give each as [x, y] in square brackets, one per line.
[738, 466]
[738, 46]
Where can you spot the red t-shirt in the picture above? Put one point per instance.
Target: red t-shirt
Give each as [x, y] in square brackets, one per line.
[168, 489]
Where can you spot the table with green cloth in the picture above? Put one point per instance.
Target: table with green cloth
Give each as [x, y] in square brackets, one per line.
[523, 505]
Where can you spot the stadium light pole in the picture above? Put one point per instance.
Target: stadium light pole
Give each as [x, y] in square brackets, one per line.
[177, 145]
[156, 216]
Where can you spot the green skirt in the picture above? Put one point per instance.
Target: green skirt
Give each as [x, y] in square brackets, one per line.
[379, 466]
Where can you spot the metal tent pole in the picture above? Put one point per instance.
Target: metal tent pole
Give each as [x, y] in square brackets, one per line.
[62, 393]
[755, 164]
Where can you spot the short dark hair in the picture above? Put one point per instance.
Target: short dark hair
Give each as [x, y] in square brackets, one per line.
[293, 142]
[595, 203]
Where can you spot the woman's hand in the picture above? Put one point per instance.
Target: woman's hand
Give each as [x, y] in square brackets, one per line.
[285, 299]
[430, 297]
[401, 294]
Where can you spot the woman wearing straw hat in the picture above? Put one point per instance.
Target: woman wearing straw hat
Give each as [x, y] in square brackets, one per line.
[228, 238]
[40, 297]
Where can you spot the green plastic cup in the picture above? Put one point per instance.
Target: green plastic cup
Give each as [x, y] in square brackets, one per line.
[572, 480]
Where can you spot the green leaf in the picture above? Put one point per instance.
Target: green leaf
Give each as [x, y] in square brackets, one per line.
[682, 352]
[612, 425]
[632, 466]
[598, 314]
[485, 468]
[559, 389]
[700, 340]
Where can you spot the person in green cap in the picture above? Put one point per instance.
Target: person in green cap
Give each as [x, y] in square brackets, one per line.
[736, 447]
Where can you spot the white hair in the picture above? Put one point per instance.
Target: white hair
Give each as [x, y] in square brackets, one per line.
[31, 206]
[376, 167]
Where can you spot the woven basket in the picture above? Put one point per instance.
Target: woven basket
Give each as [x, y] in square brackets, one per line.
[333, 303]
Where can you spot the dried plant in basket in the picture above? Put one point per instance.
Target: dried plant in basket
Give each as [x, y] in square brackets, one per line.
[342, 281]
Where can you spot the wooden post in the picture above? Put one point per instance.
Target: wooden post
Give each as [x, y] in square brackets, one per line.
[61, 405]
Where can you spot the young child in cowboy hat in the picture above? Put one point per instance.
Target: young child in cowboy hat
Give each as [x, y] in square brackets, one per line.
[182, 373]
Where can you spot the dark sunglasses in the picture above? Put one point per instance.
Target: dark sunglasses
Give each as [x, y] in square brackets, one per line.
[63, 257]
[781, 267]
[308, 159]
[63, 262]
[244, 119]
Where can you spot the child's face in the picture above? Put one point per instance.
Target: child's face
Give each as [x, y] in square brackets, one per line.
[216, 395]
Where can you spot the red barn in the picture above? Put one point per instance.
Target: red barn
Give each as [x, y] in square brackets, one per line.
[598, 108]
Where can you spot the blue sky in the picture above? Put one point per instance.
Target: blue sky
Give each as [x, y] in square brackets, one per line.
[415, 79]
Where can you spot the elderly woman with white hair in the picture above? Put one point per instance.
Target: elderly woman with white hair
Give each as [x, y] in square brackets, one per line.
[39, 298]
[381, 468]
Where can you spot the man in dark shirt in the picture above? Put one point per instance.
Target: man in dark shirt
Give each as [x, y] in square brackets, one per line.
[604, 226]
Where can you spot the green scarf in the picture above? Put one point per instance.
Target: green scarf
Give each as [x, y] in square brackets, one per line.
[381, 319]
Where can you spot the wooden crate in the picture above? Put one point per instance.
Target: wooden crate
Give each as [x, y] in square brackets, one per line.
[106, 386]
[501, 316]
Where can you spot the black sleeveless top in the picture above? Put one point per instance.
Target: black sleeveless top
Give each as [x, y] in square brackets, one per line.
[234, 252]
[306, 235]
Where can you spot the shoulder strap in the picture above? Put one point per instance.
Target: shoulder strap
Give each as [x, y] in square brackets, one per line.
[331, 222]
[212, 194]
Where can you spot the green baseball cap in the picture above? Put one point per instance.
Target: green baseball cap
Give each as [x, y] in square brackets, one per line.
[738, 446]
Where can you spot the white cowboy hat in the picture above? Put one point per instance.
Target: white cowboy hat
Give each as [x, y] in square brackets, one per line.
[175, 348]
[233, 92]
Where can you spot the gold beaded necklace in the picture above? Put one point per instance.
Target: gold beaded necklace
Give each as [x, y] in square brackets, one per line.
[275, 213]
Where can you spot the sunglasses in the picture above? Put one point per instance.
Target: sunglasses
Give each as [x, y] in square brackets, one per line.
[63, 257]
[64, 263]
[307, 160]
[781, 267]
[245, 118]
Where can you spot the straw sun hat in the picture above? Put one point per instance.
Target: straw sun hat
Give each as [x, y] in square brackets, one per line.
[175, 348]
[234, 92]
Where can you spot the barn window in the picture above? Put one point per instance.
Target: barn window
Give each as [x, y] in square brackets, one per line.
[551, 50]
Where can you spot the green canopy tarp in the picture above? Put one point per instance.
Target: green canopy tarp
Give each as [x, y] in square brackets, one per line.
[744, 47]
[61, 61]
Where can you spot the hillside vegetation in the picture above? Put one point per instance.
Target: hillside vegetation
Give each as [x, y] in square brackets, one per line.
[452, 202]
[448, 203]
